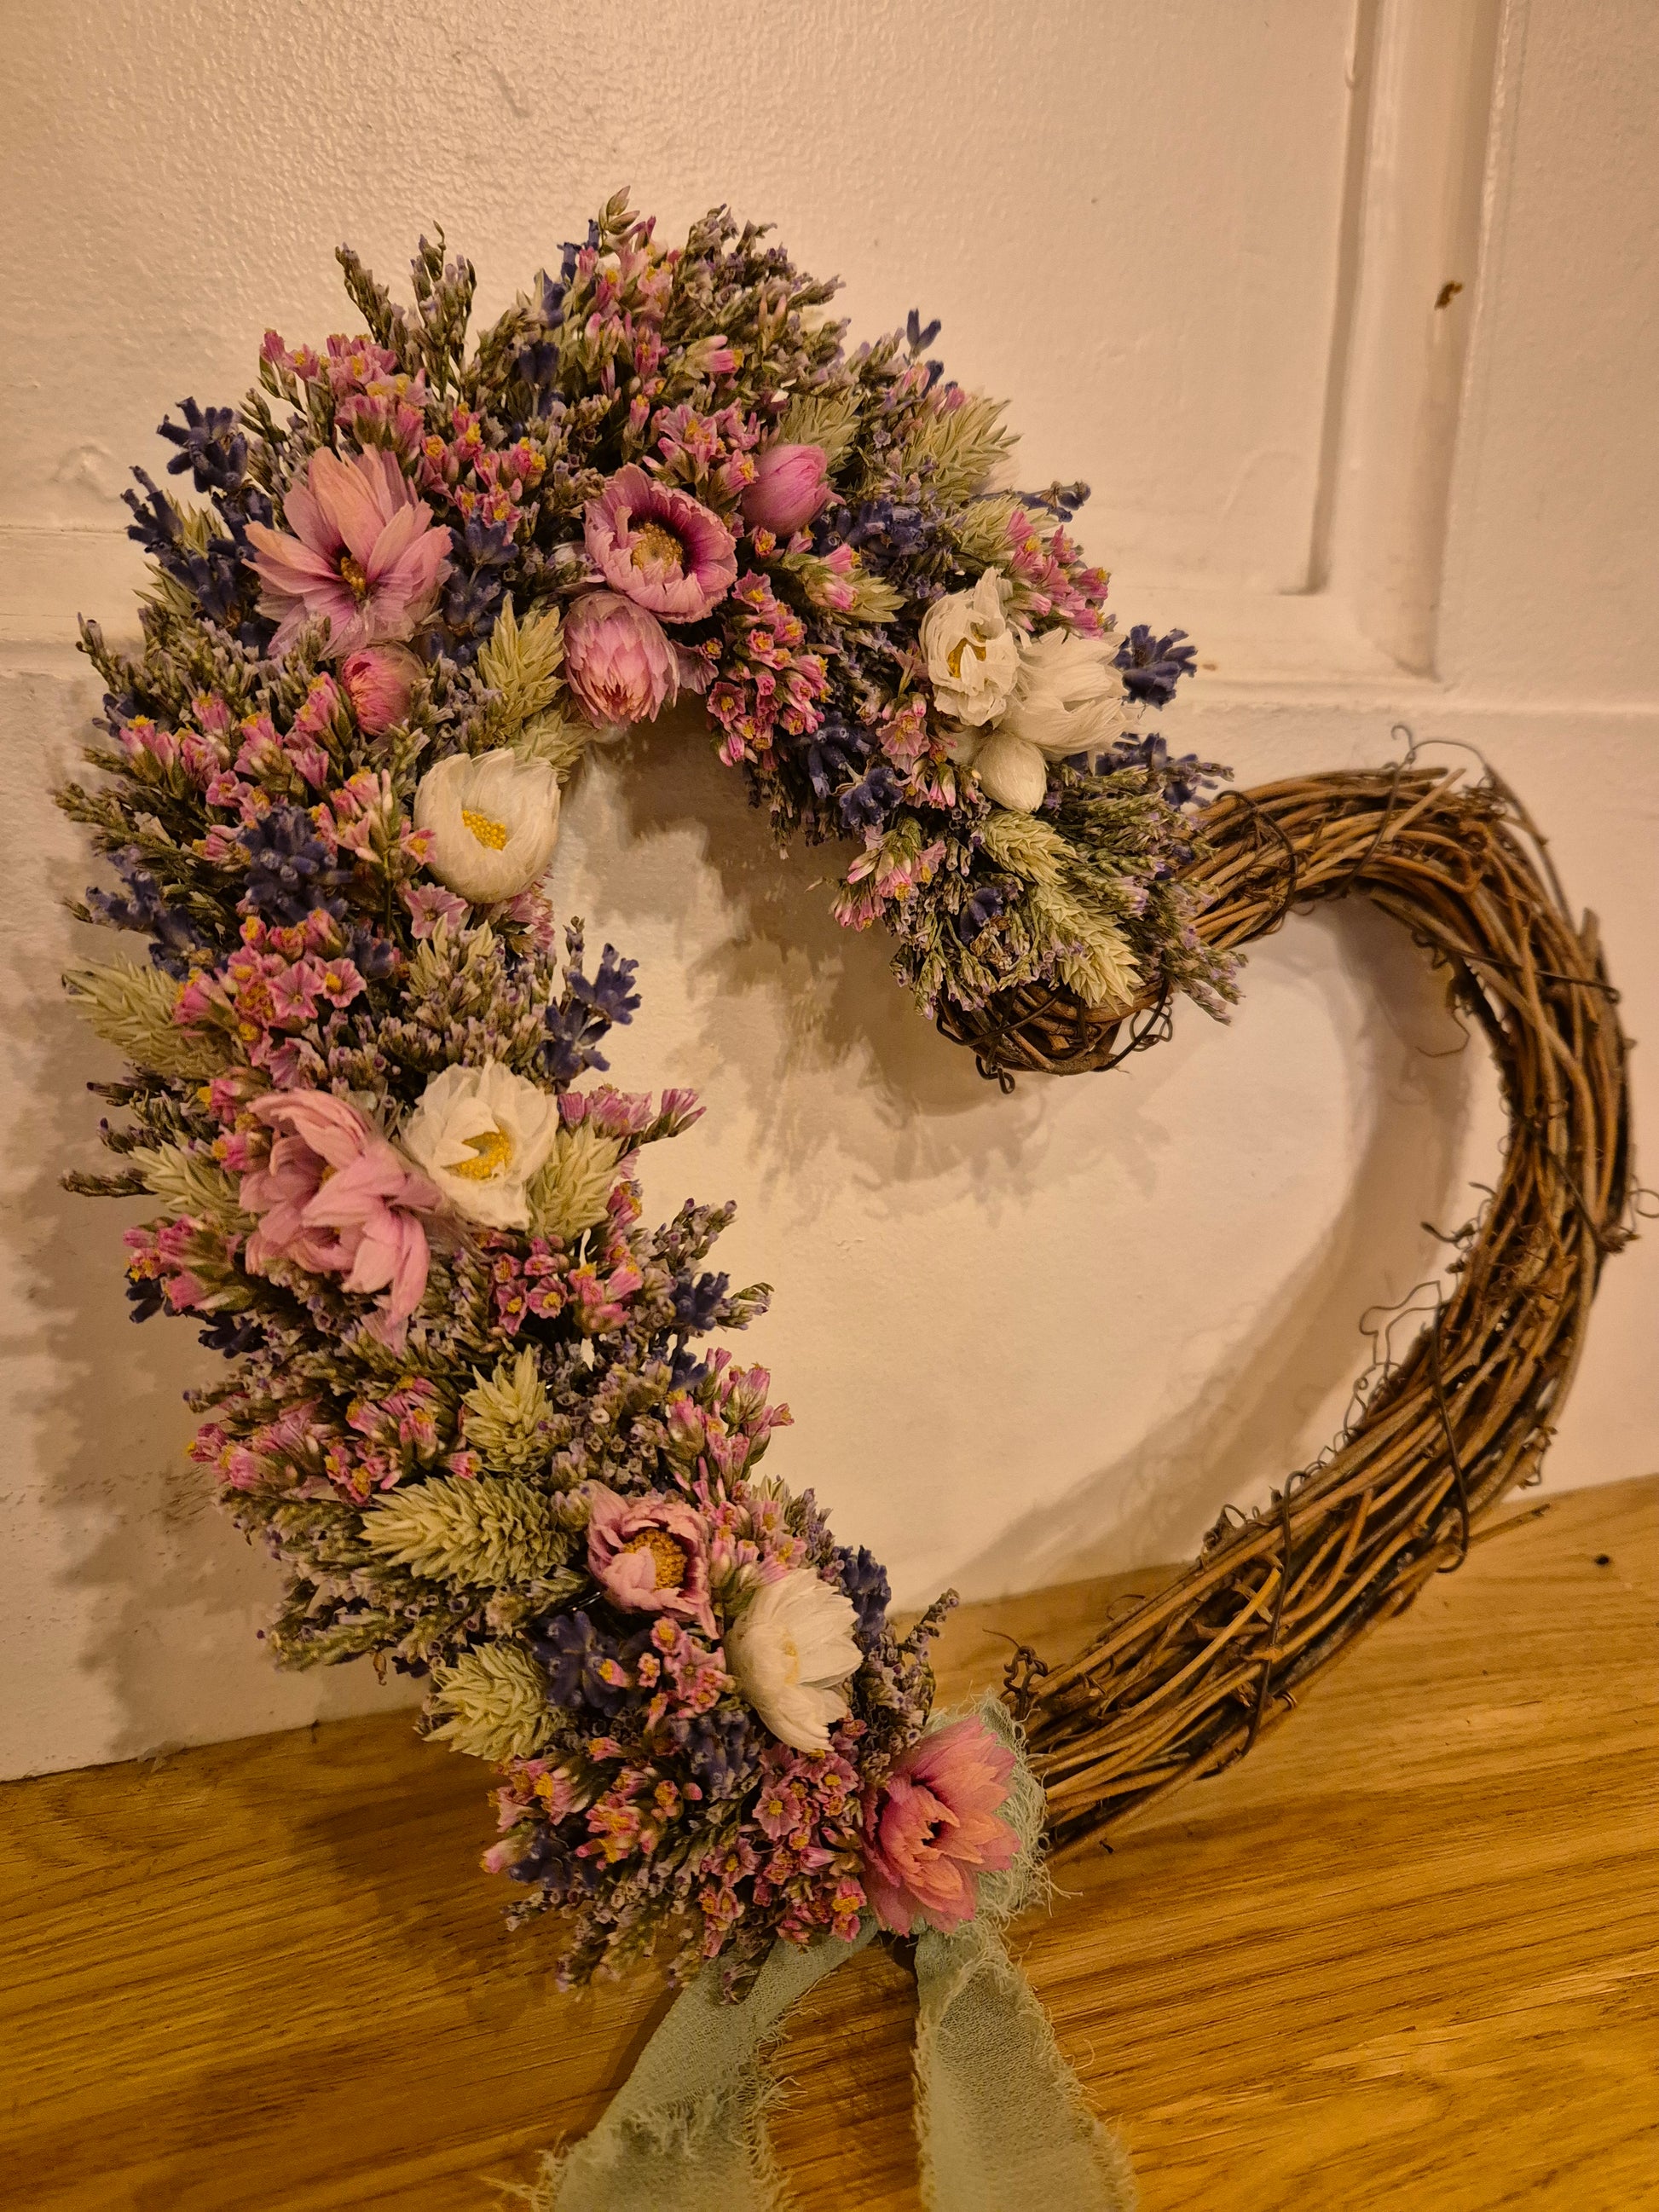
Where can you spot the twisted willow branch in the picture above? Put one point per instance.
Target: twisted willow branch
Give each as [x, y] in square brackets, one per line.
[1183, 1683]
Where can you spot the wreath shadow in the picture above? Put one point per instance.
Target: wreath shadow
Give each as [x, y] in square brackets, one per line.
[661, 805]
[664, 811]
[1242, 1422]
[140, 1600]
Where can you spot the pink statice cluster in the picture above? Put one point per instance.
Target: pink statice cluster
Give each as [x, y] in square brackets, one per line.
[771, 681]
[308, 1451]
[483, 483]
[811, 1861]
[164, 1263]
[269, 993]
[1049, 565]
[371, 396]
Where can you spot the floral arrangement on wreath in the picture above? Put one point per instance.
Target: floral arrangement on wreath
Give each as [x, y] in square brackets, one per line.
[470, 1409]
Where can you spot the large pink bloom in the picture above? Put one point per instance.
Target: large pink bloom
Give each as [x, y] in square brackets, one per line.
[651, 1556]
[660, 547]
[359, 548]
[931, 1829]
[337, 1200]
[617, 660]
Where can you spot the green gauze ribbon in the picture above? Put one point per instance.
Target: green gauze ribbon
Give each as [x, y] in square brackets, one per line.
[1000, 2116]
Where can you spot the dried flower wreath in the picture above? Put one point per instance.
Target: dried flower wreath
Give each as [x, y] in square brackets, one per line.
[470, 1409]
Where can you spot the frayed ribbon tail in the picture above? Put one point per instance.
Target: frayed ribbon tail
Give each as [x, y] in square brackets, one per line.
[686, 2132]
[1000, 2118]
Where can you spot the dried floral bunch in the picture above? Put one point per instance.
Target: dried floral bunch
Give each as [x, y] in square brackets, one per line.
[668, 468]
[470, 1409]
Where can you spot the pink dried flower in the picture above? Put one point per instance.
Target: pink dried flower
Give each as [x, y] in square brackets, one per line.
[618, 661]
[335, 1199]
[932, 1828]
[791, 483]
[650, 1556]
[660, 547]
[1056, 577]
[359, 548]
[380, 681]
[429, 904]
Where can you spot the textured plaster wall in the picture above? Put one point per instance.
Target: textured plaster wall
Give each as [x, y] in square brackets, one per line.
[189, 168]
[1025, 1338]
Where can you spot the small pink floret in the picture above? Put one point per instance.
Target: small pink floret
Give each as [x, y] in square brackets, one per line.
[359, 547]
[380, 682]
[932, 1829]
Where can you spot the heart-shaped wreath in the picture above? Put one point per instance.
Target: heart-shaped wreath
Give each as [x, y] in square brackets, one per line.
[467, 1409]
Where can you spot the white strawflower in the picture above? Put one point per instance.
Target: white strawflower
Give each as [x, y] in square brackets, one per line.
[1067, 697]
[972, 657]
[789, 1651]
[480, 1133]
[492, 821]
[1014, 774]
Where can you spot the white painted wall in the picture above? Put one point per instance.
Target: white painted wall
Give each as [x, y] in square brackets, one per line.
[1024, 1338]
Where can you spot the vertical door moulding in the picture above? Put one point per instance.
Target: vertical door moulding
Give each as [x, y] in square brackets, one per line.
[1423, 90]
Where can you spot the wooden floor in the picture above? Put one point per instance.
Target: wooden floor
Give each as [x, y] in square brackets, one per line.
[1405, 1958]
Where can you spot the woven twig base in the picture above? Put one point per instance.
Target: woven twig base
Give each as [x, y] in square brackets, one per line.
[1185, 1683]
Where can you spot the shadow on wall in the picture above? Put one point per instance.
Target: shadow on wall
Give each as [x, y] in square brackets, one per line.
[783, 968]
[829, 993]
[1246, 1423]
[136, 1605]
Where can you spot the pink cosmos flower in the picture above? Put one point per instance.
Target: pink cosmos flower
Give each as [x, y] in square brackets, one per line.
[335, 1199]
[932, 1829]
[359, 548]
[791, 485]
[650, 1555]
[380, 681]
[660, 547]
[617, 660]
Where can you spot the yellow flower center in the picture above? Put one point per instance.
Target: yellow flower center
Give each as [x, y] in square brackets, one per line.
[667, 1558]
[355, 580]
[493, 1151]
[486, 829]
[970, 644]
[657, 548]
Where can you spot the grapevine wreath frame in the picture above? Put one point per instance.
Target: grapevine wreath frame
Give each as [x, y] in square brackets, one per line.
[1180, 1684]
[467, 1409]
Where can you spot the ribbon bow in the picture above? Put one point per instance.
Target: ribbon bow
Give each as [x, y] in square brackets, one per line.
[1000, 2116]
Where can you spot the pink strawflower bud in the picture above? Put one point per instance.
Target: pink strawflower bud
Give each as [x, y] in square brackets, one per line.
[933, 1828]
[618, 661]
[791, 485]
[380, 681]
